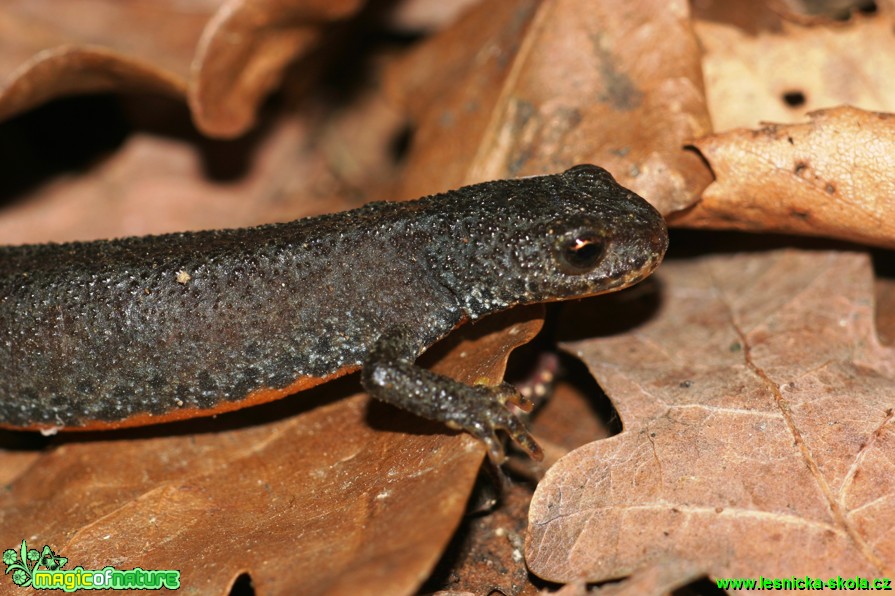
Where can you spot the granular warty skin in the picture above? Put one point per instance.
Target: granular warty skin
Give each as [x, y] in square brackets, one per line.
[142, 330]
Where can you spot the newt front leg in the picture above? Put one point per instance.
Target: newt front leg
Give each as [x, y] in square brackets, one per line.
[389, 374]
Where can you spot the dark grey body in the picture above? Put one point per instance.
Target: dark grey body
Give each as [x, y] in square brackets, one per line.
[109, 329]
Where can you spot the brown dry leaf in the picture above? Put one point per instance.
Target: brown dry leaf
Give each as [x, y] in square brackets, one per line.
[759, 67]
[68, 70]
[282, 502]
[243, 52]
[226, 56]
[529, 87]
[757, 412]
[154, 184]
[426, 15]
[51, 50]
[304, 497]
[834, 176]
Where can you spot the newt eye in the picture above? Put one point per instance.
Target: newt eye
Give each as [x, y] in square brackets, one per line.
[580, 251]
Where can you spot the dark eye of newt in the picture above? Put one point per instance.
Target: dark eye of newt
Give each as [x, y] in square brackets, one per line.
[580, 252]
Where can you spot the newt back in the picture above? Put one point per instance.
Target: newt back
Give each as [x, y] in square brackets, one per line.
[135, 330]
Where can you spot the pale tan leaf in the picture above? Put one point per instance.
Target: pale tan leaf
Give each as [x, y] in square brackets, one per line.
[758, 427]
[759, 67]
[834, 176]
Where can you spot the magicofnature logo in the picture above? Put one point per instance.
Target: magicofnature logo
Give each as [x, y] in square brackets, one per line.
[24, 563]
[43, 570]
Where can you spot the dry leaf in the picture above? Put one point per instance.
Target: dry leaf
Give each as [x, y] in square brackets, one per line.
[834, 176]
[225, 61]
[758, 67]
[155, 184]
[243, 52]
[70, 70]
[757, 434]
[51, 50]
[283, 502]
[530, 87]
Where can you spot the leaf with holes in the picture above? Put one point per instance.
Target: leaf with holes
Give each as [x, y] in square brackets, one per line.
[757, 413]
[830, 177]
[760, 63]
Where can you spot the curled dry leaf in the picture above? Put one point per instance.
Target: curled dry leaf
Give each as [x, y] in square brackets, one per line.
[243, 52]
[69, 70]
[758, 431]
[51, 50]
[532, 87]
[834, 176]
[225, 61]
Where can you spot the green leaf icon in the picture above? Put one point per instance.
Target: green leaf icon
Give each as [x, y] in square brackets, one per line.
[50, 560]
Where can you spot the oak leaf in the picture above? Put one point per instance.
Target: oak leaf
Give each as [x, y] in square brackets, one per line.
[758, 431]
[834, 176]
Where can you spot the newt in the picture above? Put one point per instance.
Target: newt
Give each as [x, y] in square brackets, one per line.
[140, 330]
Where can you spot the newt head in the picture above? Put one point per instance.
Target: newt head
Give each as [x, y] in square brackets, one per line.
[615, 240]
[548, 238]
